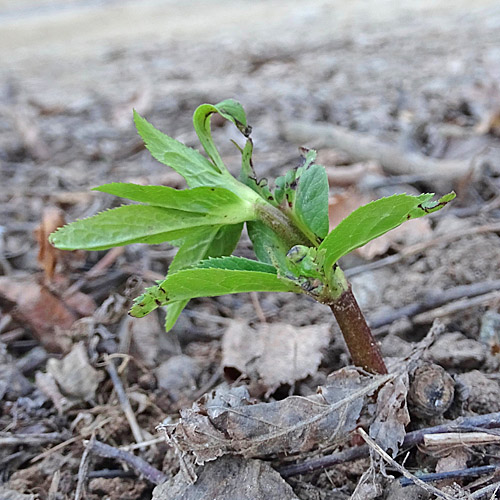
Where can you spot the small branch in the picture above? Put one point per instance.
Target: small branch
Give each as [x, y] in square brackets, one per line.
[278, 222]
[143, 444]
[455, 307]
[487, 421]
[83, 470]
[363, 147]
[358, 337]
[460, 438]
[489, 491]
[124, 402]
[375, 447]
[138, 464]
[7, 439]
[419, 248]
[433, 300]
[110, 473]
[452, 474]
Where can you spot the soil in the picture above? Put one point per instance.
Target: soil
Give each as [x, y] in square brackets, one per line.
[423, 76]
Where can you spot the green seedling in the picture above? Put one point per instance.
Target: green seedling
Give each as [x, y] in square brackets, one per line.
[288, 226]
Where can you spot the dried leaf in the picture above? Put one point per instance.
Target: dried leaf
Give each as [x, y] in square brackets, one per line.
[48, 255]
[40, 309]
[277, 353]
[48, 386]
[8, 494]
[75, 376]
[145, 337]
[228, 478]
[391, 415]
[225, 422]
[178, 376]
[13, 384]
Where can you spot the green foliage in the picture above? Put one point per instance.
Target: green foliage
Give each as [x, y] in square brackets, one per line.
[142, 224]
[305, 261]
[193, 166]
[230, 110]
[303, 195]
[210, 241]
[210, 282]
[206, 221]
[203, 200]
[375, 219]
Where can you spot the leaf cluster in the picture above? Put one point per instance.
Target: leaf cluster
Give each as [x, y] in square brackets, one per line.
[205, 221]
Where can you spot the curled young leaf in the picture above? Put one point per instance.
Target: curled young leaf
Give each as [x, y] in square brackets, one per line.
[230, 110]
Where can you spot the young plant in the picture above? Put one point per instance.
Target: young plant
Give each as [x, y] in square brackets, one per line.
[288, 226]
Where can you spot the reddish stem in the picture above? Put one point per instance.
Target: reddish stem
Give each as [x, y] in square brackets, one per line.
[358, 337]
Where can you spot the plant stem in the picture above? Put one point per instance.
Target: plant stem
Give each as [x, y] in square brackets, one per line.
[282, 225]
[358, 337]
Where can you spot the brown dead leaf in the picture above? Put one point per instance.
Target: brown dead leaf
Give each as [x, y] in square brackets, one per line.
[277, 353]
[48, 255]
[77, 379]
[413, 231]
[13, 384]
[145, 337]
[178, 376]
[391, 415]
[225, 421]
[8, 494]
[40, 309]
[228, 478]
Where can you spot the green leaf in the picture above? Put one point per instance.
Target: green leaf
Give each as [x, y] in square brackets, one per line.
[236, 264]
[311, 200]
[191, 283]
[229, 109]
[204, 200]
[193, 166]
[268, 246]
[375, 219]
[211, 241]
[136, 224]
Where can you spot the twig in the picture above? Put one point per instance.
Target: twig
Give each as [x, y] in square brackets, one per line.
[362, 147]
[452, 474]
[258, 309]
[55, 448]
[143, 444]
[427, 487]
[54, 486]
[433, 300]
[486, 491]
[489, 420]
[454, 307]
[83, 469]
[110, 473]
[420, 247]
[460, 438]
[124, 402]
[138, 464]
[31, 439]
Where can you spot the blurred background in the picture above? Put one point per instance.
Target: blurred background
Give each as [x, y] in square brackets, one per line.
[423, 76]
[396, 96]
